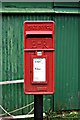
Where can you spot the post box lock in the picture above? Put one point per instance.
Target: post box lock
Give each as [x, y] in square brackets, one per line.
[39, 53]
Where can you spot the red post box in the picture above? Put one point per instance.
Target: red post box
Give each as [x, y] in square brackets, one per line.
[39, 57]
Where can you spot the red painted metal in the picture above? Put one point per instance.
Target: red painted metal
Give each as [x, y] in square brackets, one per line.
[39, 37]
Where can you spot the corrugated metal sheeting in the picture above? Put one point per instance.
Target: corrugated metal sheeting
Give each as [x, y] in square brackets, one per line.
[12, 44]
[66, 94]
[67, 90]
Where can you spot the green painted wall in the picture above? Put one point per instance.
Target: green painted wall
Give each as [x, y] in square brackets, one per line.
[66, 94]
[12, 44]
[67, 87]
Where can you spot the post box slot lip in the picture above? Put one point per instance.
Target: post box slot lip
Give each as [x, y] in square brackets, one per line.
[38, 32]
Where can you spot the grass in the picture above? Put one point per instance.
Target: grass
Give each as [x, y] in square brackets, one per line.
[63, 115]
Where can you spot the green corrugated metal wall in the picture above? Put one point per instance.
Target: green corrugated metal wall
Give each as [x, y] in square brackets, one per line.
[66, 96]
[66, 69]
[12, 43]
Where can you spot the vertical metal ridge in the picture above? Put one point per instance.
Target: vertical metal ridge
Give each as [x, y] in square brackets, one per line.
[78, 61]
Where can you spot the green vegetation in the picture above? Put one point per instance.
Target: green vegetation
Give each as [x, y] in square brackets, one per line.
[63, 115]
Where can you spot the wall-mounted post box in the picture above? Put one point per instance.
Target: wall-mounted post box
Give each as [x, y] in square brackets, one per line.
[39, 57]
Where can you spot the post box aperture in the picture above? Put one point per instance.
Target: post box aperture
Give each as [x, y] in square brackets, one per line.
[39, 57]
